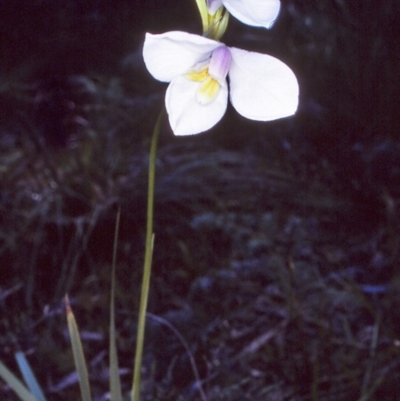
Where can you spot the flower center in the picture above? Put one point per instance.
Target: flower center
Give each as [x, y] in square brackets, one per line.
[212, 76]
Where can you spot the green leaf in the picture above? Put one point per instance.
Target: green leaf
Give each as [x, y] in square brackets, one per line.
[15, 384]
[29, 376]
[77, 350]
[115, 384]
[202, 6]
[148, 254]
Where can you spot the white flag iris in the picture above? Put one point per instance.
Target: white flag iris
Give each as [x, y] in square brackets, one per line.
[261, 87]
[262, 13]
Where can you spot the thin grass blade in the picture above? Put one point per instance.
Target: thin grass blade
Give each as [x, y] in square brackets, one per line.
[148, 254]
[29, 376]
[77, 350]
[115, 383]
[15, 384]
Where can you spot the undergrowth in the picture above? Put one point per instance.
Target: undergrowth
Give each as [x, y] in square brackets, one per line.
[276, 248]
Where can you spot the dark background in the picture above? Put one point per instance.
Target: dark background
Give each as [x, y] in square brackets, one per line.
[288, 227]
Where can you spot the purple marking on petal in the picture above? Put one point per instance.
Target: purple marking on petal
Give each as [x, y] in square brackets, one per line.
[220, 63]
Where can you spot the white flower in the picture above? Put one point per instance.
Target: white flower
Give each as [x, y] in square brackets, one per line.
[262, 13]
[262, 87]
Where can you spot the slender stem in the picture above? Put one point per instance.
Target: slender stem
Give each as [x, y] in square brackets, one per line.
[115, 382]
[147, 261]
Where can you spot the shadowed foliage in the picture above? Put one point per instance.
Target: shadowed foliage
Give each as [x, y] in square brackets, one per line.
[276, 244]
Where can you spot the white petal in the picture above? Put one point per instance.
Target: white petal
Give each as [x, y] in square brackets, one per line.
[186, 115]
[262, 87]
[254, 12]
[171, 54]
[213, 6]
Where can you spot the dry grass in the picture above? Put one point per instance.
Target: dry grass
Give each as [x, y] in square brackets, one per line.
[276, 251]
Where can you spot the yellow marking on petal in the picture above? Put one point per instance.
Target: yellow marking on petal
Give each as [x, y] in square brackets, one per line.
[198, 76]
[208, 90]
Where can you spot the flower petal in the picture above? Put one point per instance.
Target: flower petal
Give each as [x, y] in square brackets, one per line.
[213, 6]
[186, 115]
[254, 12]
[262, 87]
[171, 54]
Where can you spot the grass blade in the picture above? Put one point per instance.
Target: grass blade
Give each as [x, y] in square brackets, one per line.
[29, 376]
[115, 384]
[15, 384]
[77, 350]
[147, 261]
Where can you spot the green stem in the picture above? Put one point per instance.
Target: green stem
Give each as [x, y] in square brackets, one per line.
[147, 262]
[115, 382]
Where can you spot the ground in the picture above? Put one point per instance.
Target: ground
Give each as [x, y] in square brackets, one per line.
[276, 256]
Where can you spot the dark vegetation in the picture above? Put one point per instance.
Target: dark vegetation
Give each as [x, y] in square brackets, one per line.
[276, 245]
